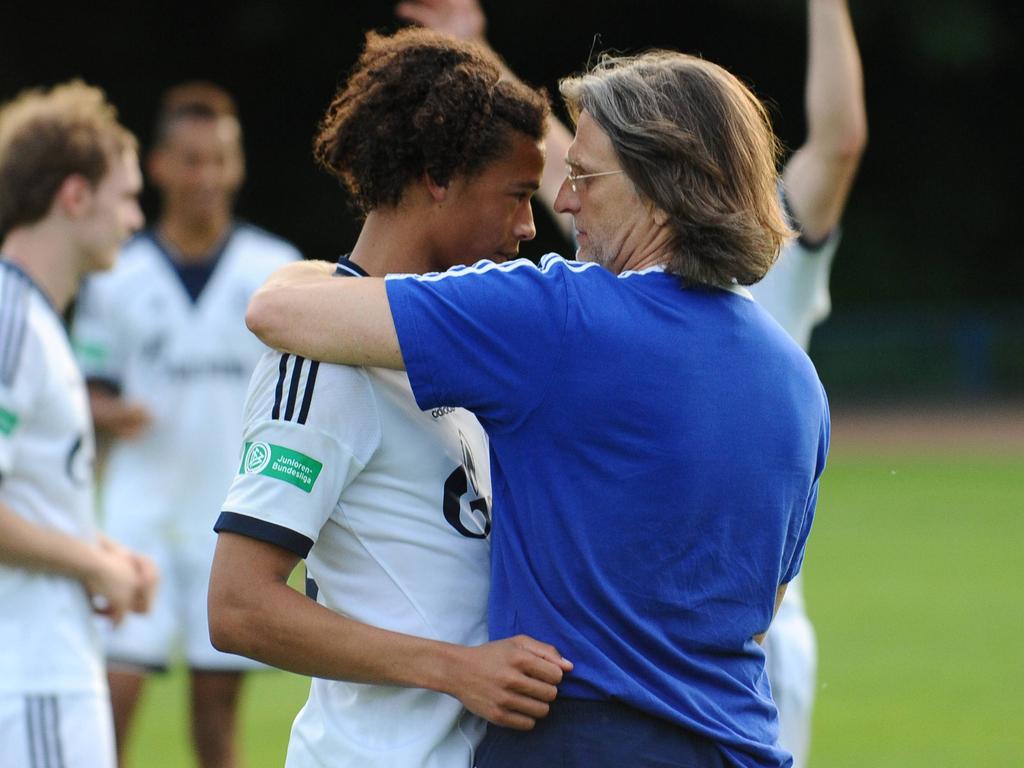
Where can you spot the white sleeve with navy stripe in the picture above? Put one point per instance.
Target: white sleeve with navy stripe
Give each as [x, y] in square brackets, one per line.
[390, 506]
[292, 473]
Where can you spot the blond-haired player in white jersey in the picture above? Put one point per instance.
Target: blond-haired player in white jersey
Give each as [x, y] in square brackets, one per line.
[390, 505]
[69, 181]
[815, 184]
[163, 345]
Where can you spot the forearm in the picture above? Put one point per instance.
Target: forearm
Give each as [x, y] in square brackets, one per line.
[301, 309]
[779, 594]
[285, 629]
[820, 174]
[106, 408]
[113, 416]
[255, 613]
[836, 116]
[24, 544]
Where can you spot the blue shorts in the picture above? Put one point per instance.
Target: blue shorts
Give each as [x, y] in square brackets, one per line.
[597, 734]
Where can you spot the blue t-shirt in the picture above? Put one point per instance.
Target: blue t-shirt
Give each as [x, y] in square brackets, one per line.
[655, 460]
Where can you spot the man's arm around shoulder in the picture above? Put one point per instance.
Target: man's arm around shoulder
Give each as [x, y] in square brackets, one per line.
[301, 309]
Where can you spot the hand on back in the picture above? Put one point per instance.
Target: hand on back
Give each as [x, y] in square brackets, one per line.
[509, 682]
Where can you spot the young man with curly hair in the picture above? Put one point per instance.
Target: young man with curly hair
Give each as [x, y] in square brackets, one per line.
[389, 504]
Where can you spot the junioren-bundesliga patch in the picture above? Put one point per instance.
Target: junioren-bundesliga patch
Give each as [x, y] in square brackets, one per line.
[280, 463]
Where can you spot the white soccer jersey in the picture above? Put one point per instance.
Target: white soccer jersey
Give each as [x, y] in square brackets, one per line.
[189, 363]
[795, 290]
[392, 505]
[48, 642]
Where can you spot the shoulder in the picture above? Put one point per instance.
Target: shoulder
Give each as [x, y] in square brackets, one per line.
[137, 255]
[289, 387]
[16, 291]
[263, 245]
[516, 282]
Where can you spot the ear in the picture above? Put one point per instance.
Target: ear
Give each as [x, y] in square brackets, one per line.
[156, 162]
[660, 217]
[437, 192]
[74, 195]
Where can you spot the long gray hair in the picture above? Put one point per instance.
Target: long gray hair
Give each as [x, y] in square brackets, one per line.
[698, 144]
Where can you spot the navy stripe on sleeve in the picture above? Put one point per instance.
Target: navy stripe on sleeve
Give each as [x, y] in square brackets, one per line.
[261, 530]
[295, 383]
[307, 396]
[279, 391]
[293, 390]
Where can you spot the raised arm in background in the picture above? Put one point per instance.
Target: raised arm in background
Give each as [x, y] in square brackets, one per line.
[819, 175]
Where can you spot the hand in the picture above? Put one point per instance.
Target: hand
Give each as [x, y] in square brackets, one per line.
[129, 420]
[114, 416]
[149, 580]
[462, 19]
[509, 682]
[113, 582]
[123, 581]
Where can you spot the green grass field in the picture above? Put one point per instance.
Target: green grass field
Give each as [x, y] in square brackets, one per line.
[915, 583]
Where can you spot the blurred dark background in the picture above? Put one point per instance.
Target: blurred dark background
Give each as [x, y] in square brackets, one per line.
[927, 290]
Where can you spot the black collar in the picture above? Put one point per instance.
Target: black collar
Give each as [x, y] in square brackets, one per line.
[348, 268]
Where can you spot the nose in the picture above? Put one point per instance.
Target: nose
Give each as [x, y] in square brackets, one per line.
[207, 175]
[525, 228]
[566, 201]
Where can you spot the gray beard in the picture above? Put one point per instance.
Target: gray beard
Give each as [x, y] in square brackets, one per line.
[600, 258]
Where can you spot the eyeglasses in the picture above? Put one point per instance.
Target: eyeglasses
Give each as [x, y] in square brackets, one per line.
[572, 178]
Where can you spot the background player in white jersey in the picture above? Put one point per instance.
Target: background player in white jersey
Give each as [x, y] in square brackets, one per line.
[816, 182]
[69, 182]
[163, 344]
[390, 505]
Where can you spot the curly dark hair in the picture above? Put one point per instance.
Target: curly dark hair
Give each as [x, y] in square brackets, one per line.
[419, 102]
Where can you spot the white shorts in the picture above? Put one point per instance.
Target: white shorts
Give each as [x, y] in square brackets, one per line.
[65, 730]
[792, 662]
[176, 625]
